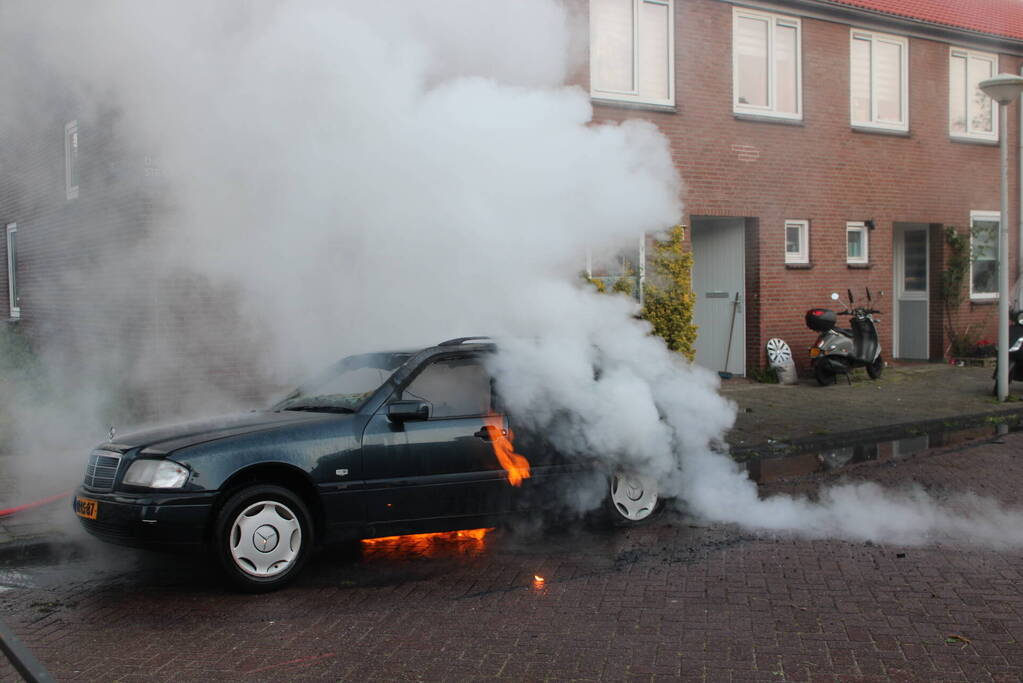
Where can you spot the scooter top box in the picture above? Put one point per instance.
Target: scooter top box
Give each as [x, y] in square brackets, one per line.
[821, 319]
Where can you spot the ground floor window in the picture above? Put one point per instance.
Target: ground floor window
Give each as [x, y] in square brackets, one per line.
[797, 241]
[12, 269]
[621, 271]
[984, 254]
[856, 242]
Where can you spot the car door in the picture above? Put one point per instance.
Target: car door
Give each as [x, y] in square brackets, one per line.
[445, 466]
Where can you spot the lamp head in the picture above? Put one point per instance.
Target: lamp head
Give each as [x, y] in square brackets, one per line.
[1003, 88]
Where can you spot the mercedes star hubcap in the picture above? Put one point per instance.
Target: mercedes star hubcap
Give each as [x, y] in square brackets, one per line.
[265, 538]
[634, 496]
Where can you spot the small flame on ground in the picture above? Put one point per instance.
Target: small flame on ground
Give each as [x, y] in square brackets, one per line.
[514, 464]
[538, 579]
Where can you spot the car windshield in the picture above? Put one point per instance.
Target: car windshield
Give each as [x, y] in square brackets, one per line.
[346, 385]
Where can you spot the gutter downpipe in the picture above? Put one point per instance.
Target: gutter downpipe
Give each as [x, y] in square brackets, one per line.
[1019, 182]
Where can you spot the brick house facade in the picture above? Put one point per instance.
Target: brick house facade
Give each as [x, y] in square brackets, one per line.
[744, 174]
[82, 215]
[762, 171]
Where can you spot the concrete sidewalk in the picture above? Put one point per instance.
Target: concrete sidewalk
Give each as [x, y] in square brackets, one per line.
[775, 423]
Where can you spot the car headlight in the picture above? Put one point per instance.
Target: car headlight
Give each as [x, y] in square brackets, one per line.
[156, 474]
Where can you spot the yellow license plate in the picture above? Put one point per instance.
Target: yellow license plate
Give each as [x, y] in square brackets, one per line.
[86, 507]
[814, 352]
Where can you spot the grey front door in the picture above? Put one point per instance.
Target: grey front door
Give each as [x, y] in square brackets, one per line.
[719, 284]
[911, 300]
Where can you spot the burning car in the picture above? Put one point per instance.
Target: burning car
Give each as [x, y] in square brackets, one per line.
[380, 444]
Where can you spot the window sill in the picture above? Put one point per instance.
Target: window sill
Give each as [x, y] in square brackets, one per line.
[983, 142]
[860, 128]
[798, 266]
[767, 118]
[859, 266]
[629, 104]
[984, 301]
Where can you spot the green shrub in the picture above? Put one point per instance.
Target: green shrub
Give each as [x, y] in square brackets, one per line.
[668, 295]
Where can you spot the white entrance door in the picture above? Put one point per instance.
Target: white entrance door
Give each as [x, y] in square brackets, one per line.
[719, 284]
[911, 333]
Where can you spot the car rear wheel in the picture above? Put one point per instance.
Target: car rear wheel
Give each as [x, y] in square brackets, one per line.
[263, 536]
[632, 499]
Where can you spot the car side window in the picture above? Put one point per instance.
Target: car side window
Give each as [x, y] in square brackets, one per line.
[455, 387]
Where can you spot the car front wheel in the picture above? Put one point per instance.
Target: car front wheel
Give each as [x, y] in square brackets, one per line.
[263, 536]
[632, 499]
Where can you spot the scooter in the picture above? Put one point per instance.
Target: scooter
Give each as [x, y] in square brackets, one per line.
[838, 350]
[1015, 351]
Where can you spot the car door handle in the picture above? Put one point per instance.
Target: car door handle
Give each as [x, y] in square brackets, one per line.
[486, 434]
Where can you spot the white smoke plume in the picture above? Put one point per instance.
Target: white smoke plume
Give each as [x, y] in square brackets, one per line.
[360, 176]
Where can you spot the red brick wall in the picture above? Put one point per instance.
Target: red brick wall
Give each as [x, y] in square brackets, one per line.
[822, 170]
[95, 294]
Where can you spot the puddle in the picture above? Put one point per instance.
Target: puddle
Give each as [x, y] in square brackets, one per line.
[782, 462]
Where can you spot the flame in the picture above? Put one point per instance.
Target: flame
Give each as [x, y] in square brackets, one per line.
[515, 464]
[420, 540]
[538, 579]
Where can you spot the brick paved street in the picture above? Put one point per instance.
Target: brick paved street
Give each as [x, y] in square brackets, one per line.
[670, 601]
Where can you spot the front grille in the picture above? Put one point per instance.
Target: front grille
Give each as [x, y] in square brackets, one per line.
[101, 471]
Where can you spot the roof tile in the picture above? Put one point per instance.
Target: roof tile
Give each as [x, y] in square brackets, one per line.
[996, 17]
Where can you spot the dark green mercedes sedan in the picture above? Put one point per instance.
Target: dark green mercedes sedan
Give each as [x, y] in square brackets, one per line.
[380, 444]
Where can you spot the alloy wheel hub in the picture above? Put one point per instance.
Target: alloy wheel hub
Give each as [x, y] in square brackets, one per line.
[634, 497]
[265, 539]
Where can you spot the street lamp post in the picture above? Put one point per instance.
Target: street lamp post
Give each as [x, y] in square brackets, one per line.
[1003, 89]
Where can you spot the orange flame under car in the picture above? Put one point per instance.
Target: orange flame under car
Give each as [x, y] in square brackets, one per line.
[445, 543]
[514, 464]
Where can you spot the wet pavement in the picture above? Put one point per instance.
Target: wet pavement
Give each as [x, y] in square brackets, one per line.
[670, 601]
[907, 401]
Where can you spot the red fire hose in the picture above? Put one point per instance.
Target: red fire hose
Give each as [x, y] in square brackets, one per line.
[29, 506]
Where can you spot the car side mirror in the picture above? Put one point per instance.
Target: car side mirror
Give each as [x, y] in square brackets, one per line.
[404, 411]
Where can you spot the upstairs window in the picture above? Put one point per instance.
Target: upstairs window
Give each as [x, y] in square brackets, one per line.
[984, 254]
[971, 113]
[766, 71]
[632, 51]
[71, 159]
[856, 242]
[12, 270]
[797, 244]
[878, 95]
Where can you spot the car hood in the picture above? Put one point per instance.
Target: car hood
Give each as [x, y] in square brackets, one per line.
[163, 440]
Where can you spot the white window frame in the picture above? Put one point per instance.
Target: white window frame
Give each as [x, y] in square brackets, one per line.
[769, 110]
[861, 227]
[803, 255]
[70, 165]
[12, 276]
[634, 95]
[995, 216]
[875, 38]
[991, 135]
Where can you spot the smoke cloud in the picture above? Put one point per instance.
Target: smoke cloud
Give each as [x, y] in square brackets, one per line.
[329, 178]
